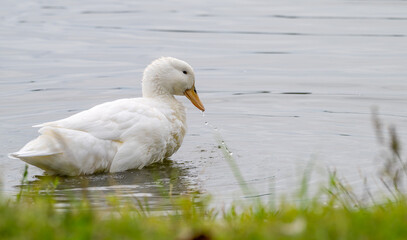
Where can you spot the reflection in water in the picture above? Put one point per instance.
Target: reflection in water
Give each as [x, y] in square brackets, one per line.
[153, 185]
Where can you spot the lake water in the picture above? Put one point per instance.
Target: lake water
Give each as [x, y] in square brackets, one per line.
[285, 82]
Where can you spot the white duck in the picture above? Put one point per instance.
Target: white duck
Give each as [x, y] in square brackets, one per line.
[119, 135]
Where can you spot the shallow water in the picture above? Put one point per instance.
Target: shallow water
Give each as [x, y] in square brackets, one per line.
[285, 83]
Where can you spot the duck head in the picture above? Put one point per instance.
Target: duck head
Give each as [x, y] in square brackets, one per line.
[170, 76]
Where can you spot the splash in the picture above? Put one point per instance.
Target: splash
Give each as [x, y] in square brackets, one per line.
[228, 155]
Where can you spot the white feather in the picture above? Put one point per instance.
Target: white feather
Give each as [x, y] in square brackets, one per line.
[118, 135]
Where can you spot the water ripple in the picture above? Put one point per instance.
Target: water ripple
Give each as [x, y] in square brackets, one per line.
[338, 17]
[279, 33]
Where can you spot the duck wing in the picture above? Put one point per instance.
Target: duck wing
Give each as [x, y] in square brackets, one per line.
[116, 121]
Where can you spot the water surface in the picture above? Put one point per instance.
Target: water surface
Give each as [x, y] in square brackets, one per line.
[285, 82]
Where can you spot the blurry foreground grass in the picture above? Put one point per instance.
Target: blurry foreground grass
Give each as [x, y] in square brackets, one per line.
[335, 212]
[38, 219]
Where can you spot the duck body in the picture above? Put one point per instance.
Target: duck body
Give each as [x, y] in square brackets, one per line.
[113, 136]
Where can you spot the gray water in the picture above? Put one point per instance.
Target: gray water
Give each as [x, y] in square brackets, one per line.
[285, 82]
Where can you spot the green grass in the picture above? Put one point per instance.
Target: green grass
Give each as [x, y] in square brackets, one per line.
[340, 215]
[37, 218]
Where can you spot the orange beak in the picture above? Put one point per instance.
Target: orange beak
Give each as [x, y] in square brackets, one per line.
[193, 97]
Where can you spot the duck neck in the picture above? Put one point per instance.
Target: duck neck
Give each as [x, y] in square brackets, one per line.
[151, 89]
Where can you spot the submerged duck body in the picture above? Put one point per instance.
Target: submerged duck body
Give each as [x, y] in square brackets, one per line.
[122, 134]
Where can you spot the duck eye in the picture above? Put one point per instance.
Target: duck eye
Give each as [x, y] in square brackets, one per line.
[184, 72]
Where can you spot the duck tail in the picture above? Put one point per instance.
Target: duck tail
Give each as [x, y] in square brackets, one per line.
[40, 151]
[46, 144]
[67, 152]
